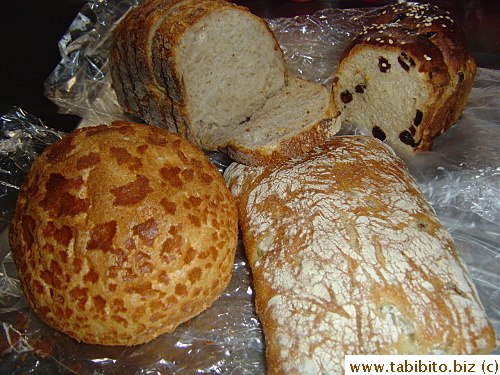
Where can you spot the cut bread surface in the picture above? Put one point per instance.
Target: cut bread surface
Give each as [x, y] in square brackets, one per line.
[227, 74]
[382, 96]
[299, 117]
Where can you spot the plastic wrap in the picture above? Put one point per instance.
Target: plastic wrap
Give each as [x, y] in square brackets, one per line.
[460, 177]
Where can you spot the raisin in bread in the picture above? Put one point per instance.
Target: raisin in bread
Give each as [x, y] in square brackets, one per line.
[206, 69]
[348, 258]
[406, 78]
[122, 232]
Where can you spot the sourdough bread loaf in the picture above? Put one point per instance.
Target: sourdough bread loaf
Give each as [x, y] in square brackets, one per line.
[348, 257]
[407, 77]
[122, 232]
[206, 69]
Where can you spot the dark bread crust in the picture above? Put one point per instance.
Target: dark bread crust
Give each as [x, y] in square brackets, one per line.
[436, 45]
[433, 23]
[122, 232]
[140, 33]
[133, 77]
[406, 40]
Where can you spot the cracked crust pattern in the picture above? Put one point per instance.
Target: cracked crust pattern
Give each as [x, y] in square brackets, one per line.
[122, 233]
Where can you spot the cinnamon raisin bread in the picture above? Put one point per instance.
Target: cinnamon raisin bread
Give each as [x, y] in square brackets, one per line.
[206, 69]
[122, 232]
[348, 257]
[407, 77]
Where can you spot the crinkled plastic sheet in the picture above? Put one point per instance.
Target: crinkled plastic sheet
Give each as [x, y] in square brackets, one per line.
[460, 177]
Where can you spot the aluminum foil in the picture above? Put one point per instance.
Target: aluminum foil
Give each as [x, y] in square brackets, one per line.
[460, 177]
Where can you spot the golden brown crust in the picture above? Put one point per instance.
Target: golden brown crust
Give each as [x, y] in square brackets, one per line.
[348, 257]
[122, 233]
[450, 107]
[287, 148]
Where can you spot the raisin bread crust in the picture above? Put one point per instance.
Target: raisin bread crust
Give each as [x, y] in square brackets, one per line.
[348, 257]
[418, 37]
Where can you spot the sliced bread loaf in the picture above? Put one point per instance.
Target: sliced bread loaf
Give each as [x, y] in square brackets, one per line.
[407, 77]
[206, 69]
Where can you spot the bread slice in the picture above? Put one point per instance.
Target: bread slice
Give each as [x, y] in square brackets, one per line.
[348, 257]
[206, 69]
[406, 78]
[295, 120]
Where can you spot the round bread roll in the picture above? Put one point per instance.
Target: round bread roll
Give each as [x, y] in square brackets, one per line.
[122, 232]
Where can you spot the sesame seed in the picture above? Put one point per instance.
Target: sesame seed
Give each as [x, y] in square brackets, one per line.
[427, 57]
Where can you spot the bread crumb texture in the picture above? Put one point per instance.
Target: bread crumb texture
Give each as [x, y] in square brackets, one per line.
[122, 232]
[349, 258]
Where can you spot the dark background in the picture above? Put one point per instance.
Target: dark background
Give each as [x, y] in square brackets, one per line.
[30, 31]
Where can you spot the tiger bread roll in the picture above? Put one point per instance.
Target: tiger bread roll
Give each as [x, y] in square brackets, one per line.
[122, 232]
[348, 257]
[214, 72]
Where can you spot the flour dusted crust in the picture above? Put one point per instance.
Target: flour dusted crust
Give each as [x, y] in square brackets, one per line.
[122, 232]
[349, 258]
[407, 77]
